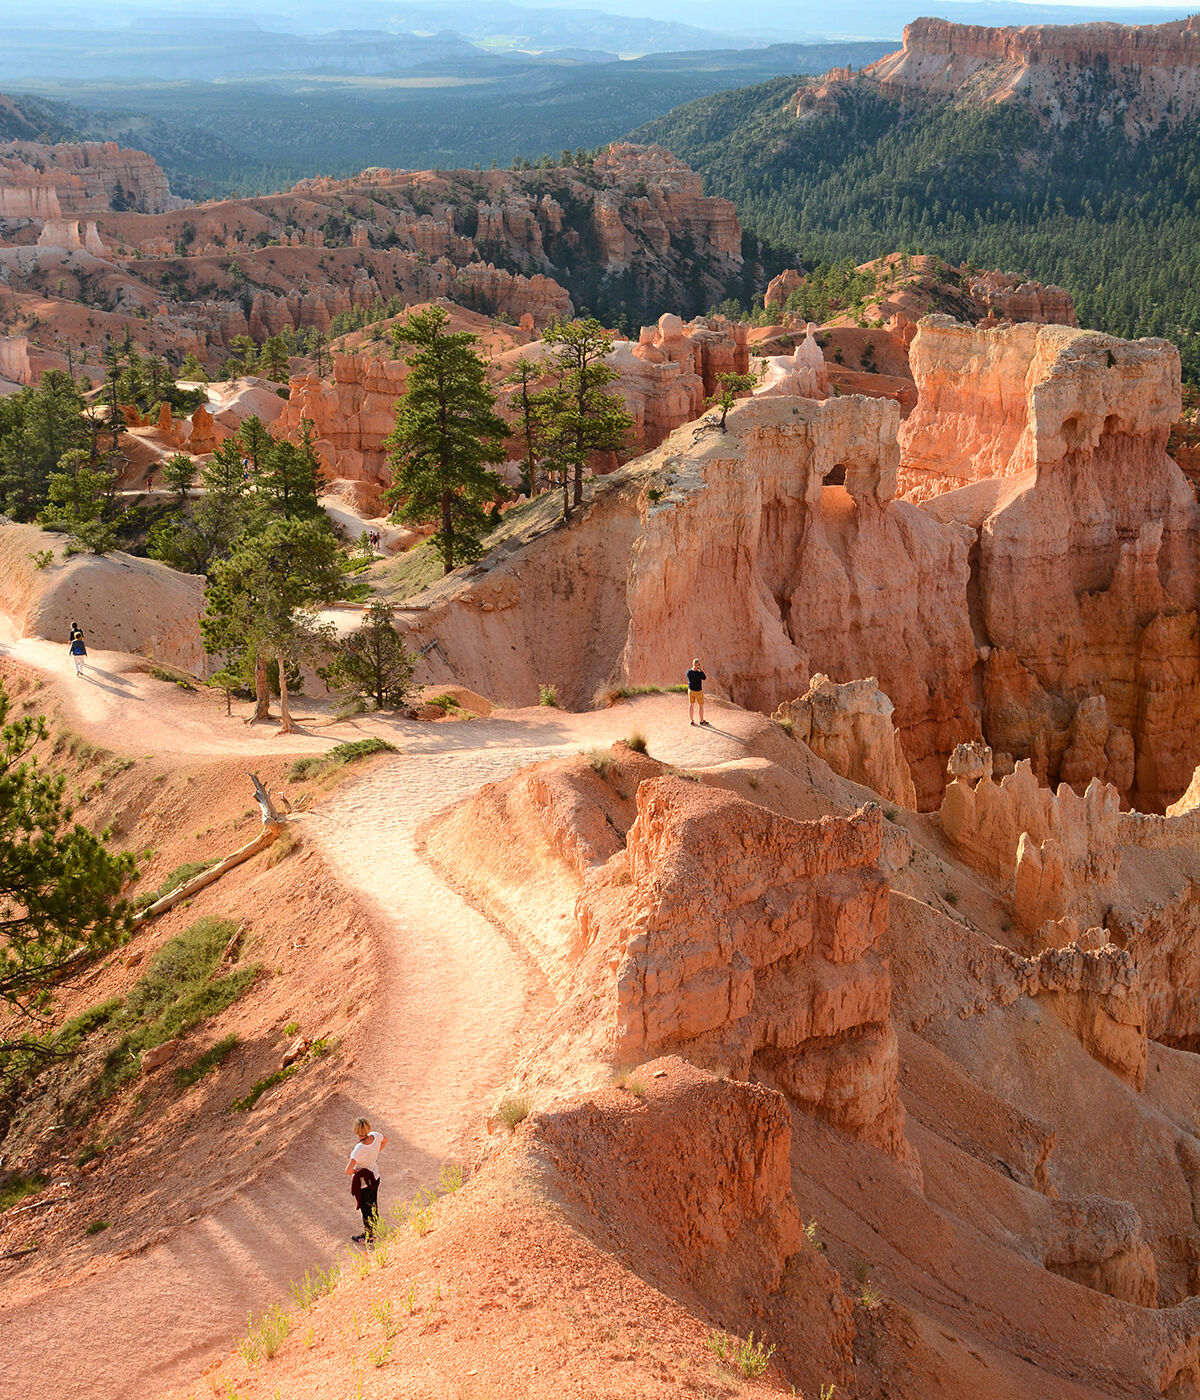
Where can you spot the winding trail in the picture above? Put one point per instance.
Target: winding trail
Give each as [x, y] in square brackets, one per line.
[452, 996]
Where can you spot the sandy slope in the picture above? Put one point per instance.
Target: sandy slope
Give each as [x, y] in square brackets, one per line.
[434, 1060]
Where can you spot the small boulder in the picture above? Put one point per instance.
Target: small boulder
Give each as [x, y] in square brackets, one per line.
[159, 1055]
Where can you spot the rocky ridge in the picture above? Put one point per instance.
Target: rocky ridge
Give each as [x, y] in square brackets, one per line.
[631, 227]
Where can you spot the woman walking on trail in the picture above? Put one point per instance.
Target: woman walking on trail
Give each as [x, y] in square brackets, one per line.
[695, 684]
[77, 648]
[363, 1169]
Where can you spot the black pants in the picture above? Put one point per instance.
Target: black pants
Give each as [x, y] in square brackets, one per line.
[368, 1200]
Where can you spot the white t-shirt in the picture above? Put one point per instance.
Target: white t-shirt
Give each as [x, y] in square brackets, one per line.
[366, 1154]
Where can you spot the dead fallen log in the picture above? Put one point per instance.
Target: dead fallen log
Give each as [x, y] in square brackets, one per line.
[273, 824]
[39, 1205]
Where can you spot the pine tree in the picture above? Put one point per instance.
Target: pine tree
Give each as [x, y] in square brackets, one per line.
[80, 501]
[527, 401]
[446, 433]
[578, 416]
[179, 471]
[373, 662]
[261, 603]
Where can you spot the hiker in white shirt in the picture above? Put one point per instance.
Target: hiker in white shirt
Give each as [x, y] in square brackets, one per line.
[363, 1169]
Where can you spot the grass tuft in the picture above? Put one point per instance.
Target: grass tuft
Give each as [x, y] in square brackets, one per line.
[547, 695]
[180, 988]
[316, 1283]
[637, 741]
[750, 1357]
[513, 1109]
[248, 1100]
[96, 1226]
[601, 761]
[18, 1186]
[179, 876]
[212, 1057]
[264, 1335]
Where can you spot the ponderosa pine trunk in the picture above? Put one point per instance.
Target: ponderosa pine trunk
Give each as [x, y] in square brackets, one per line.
[287, 725]
[262, 693]
[447, 535]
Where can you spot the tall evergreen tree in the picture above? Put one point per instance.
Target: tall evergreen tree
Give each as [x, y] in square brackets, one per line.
[527, 401]
[578, 415]
[447, 432]
[60, 886]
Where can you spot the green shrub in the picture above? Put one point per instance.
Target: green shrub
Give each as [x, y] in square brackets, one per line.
[161, 673]
[318, 765]
[547, 695]
[445, 702]
[96, 1226]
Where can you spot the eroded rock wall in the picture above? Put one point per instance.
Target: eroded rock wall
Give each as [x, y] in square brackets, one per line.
[750, 558]
[1057, 69]
[850, 727]
[765, 963]
[1051, 444]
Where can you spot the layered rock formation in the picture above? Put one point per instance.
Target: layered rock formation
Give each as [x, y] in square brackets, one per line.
[1147, 73]
[40, 181]
[850, 727]
[1007, 298]
[1084, 577]
[773, 974]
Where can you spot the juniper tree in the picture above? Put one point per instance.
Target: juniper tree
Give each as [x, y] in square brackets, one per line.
[447, 432]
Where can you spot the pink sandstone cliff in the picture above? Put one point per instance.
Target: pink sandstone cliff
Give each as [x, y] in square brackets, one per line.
[87, 177]
[1155, 68]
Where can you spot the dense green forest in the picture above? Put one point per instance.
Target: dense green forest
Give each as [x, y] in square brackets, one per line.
[1115, 222]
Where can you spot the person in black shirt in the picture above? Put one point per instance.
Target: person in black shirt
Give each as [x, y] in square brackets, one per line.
[695, 684]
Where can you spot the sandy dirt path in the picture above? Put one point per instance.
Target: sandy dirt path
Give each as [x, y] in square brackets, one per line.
[453, 994]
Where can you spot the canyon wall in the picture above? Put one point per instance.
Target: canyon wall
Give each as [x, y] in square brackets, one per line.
[1140, 75]
[751, 558]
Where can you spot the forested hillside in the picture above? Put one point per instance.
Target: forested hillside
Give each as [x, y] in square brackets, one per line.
[1116, 223]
